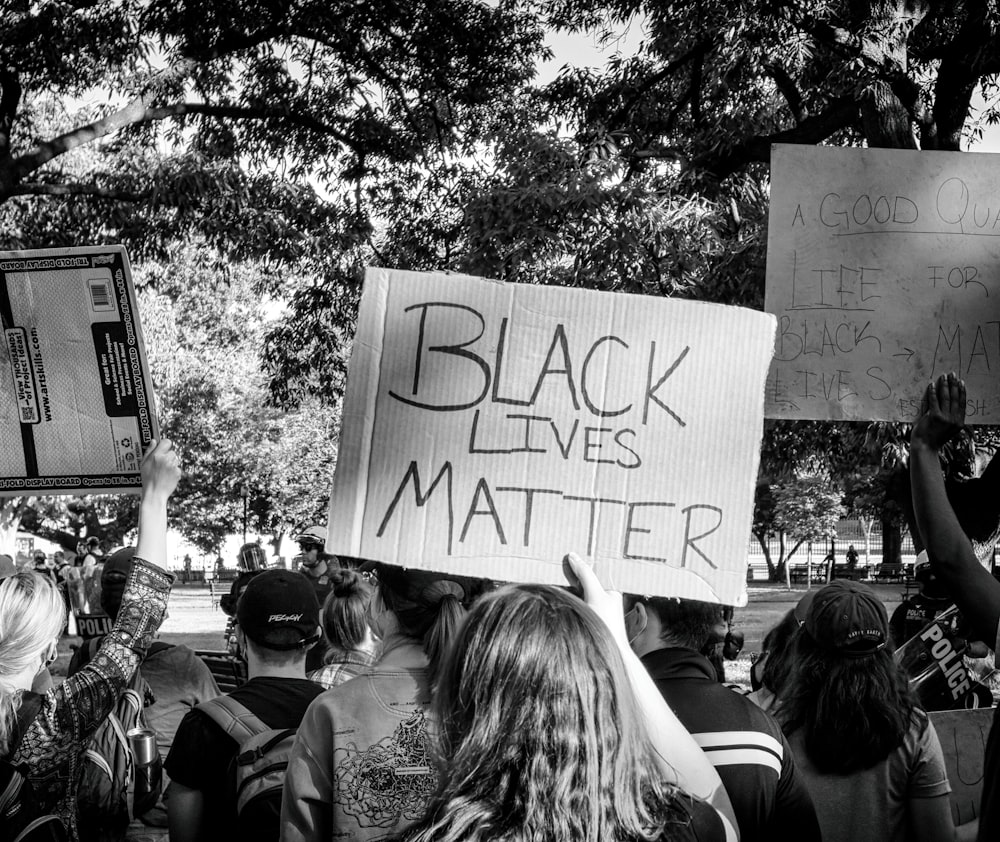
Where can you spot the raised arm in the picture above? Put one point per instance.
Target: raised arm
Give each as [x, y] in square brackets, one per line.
[974, 590]
[681, 757]
[83, 700]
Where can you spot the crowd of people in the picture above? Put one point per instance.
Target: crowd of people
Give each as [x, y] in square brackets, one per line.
[385, 703]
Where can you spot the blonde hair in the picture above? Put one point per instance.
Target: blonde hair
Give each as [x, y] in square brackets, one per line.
[32, 615]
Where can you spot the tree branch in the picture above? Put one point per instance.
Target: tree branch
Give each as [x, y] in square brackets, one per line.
[789, 90]
[958, 75]
[699, 49]
[93, 190]
[840, 114]
[140, 111]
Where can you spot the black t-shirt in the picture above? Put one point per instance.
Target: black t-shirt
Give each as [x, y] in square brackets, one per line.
[202, 752]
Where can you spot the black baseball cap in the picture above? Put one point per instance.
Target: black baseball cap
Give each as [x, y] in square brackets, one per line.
[848, 618]
[276, 602]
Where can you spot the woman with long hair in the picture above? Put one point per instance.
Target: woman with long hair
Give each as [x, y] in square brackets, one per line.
[541, 736]
[870, 756]
[360, 768]
[48, 733]
[351, 645]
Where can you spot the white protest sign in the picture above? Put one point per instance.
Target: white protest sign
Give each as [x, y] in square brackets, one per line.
[883, 269]
[76, 399]
[490, 428]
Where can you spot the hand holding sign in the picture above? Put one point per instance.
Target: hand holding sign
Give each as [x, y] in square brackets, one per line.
[605, 603]
[160, 469]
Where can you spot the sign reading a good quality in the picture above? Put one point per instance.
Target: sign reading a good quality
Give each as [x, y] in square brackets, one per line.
[491, 428]
[77, 400]
[883, 269]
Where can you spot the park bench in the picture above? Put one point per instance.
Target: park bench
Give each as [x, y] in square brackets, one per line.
[842, 571]
[228, 671]
[890, 571]
[799, 572]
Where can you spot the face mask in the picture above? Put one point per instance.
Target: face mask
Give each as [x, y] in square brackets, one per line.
[628, 616]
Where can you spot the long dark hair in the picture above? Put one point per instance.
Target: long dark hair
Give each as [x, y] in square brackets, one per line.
[779, 643]
[540, 736]
[855, 711]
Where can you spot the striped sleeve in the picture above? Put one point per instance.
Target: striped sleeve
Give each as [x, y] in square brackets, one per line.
[746, 748]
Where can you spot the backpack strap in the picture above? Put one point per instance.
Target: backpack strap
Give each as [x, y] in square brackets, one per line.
[233, 718]
[31, 704]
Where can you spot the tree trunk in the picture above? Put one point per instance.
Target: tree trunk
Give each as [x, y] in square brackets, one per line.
[885, 119]
[767, 556]
[892, 541]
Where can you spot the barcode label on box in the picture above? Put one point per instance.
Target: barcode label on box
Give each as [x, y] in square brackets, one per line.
[100, 296]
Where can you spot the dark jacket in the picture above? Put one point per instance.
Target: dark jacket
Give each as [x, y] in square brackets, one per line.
[745, 745]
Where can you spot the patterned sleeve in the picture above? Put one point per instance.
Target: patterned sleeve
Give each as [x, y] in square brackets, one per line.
[74, 709]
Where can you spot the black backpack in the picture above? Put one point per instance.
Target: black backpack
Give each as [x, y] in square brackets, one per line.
[259, 767]
[21, 817]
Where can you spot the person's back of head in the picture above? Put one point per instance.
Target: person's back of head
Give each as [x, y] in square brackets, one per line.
[345, 610]
[32, 615]
[279, 614]
[428, 606]
[681, 622]
[114, 575]
[845, 690]
[540, 735]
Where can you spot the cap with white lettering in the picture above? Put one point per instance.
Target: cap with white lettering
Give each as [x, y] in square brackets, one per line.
[279, 610]
[848, 618]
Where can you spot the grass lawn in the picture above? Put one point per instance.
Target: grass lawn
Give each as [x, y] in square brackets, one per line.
[192, 620]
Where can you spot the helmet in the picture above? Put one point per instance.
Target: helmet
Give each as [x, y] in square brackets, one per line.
[922, 570]
[252, 558]
[314, 534]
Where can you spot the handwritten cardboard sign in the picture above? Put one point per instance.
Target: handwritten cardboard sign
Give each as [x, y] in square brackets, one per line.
[490, 428]
[76, 398]
[883, 270]
[963, 735]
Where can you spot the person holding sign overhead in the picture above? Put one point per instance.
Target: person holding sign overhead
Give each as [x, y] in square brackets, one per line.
[975, 591]
[50, 740]
[550, 729]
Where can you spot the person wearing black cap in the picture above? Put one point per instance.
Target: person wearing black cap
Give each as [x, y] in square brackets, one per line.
[870, 756]
[742, 741]
[277, 620]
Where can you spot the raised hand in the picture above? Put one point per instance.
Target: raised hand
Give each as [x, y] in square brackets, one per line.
[942, 412]
[606, 604]
[160, 469]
